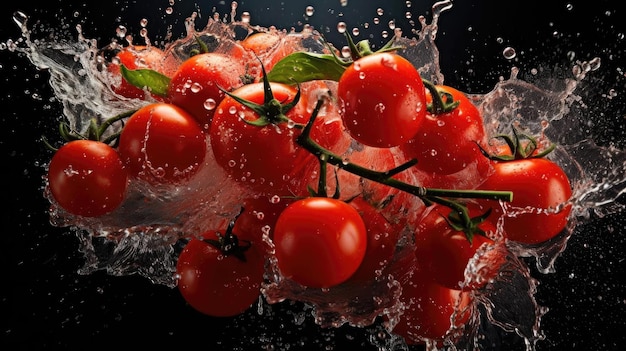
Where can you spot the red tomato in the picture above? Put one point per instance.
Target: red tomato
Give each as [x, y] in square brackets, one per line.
[431, 310]
[541, 191]
[320, 242]
[217, 283]
[196, 85]
[87, 178]
[264, 158]
[162, 143]
[446, 143]
[382, 99]
[138, 57]
[270, 47]
[382, 238]
[444, 252]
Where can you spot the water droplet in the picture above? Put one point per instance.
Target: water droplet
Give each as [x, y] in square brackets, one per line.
[509, 53]
[309, 11]
[345, 51]
[392, 24]
[195, 87]
[355, 31]
[384, 34]
[380, 107]
[232, 110]
[275, 199]
[169, 10]
[380, 11]
[341, 27]
[245, 17]
[569, 7]
[408, 14]
[143, 22]
[408, 3]
[233, 5]
[209, 104]
[376, 20]
[343, 3]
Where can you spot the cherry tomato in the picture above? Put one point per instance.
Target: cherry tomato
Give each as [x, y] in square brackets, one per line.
[216, 282]
[87, 178]
[382, 100]
[446, 142]
[265, 158]
[431, 310]
[162, 143]
[382, 238]
[541, 191]
[271, 46]
[138, 57]
[320, 242]
[444, 252]
[196, 85]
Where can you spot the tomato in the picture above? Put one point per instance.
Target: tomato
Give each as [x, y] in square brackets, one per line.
[265, 158]
[382, 100]
[139, 57]
[196, 85]
[382, 238]
[319, 242]
[541, 191]
[271, 46]
[162, 143]
[87, 178]
[431, 310]
[446, 142]
[444, 252]
[220, 281]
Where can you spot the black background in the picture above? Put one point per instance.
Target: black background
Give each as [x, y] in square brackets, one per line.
[47, 305]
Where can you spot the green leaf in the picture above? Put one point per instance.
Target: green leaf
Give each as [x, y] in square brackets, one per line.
[154, 81]
[302, 67]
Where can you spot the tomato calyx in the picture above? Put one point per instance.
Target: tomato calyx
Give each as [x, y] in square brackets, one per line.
[271, 111]
[461, 222]
[228, 243]
[443, 102]
[520, 145]
[95, 131]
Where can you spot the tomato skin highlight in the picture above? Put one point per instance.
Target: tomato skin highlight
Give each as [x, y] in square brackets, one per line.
[87, 178]
[382, 100]
[320, 242]
[196, 85]
[216, 284]
[539, 187]
[162, 143]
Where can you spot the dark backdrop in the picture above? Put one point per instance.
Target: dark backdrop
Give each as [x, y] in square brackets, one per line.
[47, 305]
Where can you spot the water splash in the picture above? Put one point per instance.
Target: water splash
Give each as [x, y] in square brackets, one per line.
[143, 241]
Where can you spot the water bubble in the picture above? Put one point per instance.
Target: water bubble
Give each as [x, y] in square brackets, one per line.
[408, 15]
[245, 17]
[309, 11]
[341, 27]
[384, 34]
[275, 199]
[343, 3]
[210, 104]
[143, 22]
[355, 31]
[120, 31]
[345, 51]
[499, 40]
[509, 53]
[392, 24]
[169, 10]
[380, 11]
[376, 20]
[232, 110]
[569, 7]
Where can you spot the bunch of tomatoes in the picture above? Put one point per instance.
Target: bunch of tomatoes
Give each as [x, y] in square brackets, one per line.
[345, 160]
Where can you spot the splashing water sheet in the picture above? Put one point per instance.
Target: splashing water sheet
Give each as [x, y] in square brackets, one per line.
[557, 69]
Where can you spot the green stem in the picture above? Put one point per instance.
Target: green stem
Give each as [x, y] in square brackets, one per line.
[386, 177]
